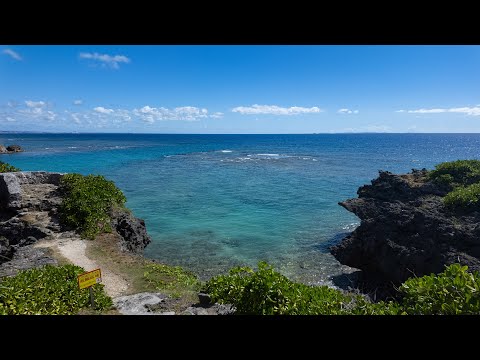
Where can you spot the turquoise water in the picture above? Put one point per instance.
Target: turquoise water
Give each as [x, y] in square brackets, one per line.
[211, 202]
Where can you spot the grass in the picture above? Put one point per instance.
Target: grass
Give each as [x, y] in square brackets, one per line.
[144, 275]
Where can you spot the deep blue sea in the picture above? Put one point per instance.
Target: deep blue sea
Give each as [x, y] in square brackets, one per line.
[211, 202]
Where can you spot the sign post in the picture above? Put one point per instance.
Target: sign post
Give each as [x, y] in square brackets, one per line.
[87, 280]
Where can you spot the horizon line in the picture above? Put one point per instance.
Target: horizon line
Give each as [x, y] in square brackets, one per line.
[174, 133]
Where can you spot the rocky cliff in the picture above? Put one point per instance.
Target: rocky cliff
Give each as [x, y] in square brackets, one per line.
[406, 230]
[29, 203]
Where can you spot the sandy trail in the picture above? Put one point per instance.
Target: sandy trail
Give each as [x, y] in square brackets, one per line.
[74, 249]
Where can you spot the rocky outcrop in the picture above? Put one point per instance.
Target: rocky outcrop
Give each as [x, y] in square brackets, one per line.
[159, 304]
[14, 148]
[405, 230]
[132, 231]
[10, 149]
[29, 203]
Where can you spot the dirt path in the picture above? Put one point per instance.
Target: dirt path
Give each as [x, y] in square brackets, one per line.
[73, 249]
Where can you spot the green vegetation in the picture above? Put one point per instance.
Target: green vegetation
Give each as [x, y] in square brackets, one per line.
[50, 290]
[456, 173]
[87, 203]
[4, 167]
[165, 277]
[454, 291]
[465, 197]
[265, 291]
[463, 177]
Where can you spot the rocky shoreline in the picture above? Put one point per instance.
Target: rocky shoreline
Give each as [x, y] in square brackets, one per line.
[30, 227]
[406, 230]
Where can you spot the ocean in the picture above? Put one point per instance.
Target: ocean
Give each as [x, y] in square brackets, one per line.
[211, 202]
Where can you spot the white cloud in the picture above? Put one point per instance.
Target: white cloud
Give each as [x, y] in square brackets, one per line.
[13, 54]
[274, 110]
[37, 109]
[427, 111]
[34, 104]
[30, 112]
[187, 113]
[102, 110]
[347, 111]
[76, 118]
[121, 115]
[77, 102]
[472, 111]
[217, 115]
[106, 60]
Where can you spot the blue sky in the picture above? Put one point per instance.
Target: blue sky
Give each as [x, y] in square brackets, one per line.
[240, 89]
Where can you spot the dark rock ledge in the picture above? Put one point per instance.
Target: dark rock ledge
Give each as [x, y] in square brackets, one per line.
[405, 230]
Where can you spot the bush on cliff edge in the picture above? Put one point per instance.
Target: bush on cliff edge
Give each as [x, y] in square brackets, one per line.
[463, 177]
[456, 173]
[87, 203]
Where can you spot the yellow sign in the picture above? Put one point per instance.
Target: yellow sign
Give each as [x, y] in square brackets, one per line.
[89, 278]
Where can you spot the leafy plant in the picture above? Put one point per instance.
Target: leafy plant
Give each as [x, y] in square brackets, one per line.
[455, 173]
[4, 167]
[454, 291]
[466, 197]
[87, 202]
[265, 291]
[48, 290]
[463, 178]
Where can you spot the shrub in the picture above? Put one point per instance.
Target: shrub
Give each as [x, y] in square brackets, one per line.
[87, 203]
[50, 290]
[460, 172]
[4, 167]
[465, 197]
[454, 291]
[265, 291]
